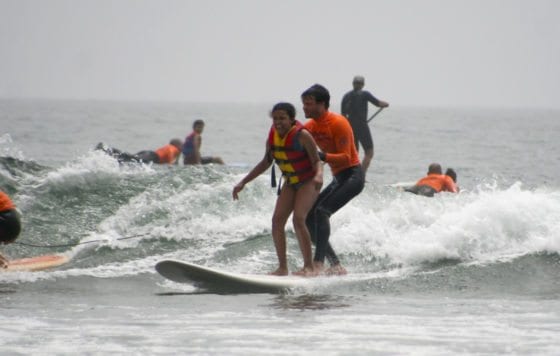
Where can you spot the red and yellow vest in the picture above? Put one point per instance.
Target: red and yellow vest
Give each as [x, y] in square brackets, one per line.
[290, 155]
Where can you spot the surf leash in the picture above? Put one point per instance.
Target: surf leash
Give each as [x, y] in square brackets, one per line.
[375, 114]
[78, 243]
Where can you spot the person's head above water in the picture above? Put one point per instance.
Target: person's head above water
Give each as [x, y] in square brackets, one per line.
[319, 93]
[451, 173]
[434, 168]
[176, 142]
[358, 82]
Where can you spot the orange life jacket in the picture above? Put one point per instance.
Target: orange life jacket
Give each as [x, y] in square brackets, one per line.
[167, 153]
[439, 182]
[5, 202]
[290, 155]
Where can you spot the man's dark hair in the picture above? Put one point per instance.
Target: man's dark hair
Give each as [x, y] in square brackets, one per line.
[319, 93]
[434, 168]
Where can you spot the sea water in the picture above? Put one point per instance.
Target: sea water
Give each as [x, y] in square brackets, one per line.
[470, 273]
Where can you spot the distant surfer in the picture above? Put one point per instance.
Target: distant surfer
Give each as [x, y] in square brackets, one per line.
[333, 135]
[355, 107]
[168, 154]
[191, 147]
[295, 152]
[10, 224]
[434, 182]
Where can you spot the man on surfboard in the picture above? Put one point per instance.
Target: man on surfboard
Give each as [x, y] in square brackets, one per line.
[435, 182]
[355, 107]
[295, 152]
[334, 136]
[10, 225]
[168, 154]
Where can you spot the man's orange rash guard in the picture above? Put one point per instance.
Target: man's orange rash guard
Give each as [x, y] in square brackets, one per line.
[333, 134]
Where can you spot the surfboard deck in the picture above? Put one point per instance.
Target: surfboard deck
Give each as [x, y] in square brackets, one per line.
[221, 281]
[37, 263]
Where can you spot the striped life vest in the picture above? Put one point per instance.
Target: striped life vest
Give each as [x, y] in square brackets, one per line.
[290, 155]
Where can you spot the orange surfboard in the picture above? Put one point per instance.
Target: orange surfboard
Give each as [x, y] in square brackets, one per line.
[37, 263]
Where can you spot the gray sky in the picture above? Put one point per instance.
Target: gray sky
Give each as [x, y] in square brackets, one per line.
[412, 52]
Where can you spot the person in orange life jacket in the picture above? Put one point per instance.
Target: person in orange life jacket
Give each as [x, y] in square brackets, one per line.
[168, 154]
[295, 152]
[191, 147]
[433, 183]
[334, 136]
[355, 107]
[10, 224]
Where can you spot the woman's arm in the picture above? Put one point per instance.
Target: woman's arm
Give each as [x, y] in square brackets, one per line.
[262, 166]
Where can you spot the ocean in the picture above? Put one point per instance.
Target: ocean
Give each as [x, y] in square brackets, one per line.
[474, 273]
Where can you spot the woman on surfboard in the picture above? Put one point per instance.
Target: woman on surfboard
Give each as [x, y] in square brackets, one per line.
[10, 225]
[295, 152]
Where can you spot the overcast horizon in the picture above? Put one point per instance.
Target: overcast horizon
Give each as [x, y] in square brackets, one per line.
[434, 53]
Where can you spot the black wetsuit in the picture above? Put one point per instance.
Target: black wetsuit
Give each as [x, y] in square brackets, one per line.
[424, 190]
[124, 157]
[10, 225]
[345, 186]
[355, 107]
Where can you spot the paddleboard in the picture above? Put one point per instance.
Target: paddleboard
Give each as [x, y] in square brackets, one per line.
[221, 281]
[37, 263]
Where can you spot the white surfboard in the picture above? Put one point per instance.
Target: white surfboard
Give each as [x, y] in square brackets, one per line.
[217, 280]
[402, 185]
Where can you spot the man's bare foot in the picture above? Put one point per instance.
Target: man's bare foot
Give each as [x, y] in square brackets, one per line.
[336, 270]
[306, 272]
[279, 272]
[318, 267]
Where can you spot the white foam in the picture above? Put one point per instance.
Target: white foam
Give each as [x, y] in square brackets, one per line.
[482, 225]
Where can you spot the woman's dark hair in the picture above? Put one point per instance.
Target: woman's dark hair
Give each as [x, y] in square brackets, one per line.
[287, 107]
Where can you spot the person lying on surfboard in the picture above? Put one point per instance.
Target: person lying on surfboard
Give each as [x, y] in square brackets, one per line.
[168, 154]
[434, 182]
[295, 153]
[10, 224]
[334, 136]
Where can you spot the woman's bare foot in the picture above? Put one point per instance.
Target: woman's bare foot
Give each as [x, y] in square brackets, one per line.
[336, 270]
[279, 272]
[306, 272]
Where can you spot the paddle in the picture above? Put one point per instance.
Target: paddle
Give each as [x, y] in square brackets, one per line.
[375, 114]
